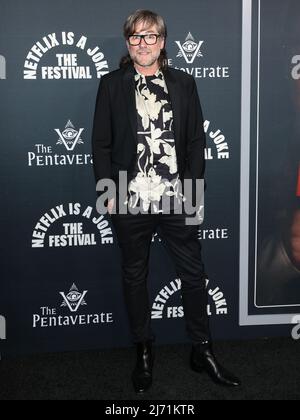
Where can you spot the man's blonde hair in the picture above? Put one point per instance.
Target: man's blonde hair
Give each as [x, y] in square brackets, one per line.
[149, 19]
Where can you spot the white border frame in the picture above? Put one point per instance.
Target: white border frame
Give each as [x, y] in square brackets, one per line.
[244, 318]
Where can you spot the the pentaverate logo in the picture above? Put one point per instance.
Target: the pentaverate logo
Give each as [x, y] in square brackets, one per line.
[74, 299]
[190, 53]
[70, 137]
[72, 312]
[190, 49]
[67, 150]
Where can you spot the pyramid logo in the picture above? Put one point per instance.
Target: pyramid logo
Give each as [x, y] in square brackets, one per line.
[74, 299]
[69, 137]
[190, 49]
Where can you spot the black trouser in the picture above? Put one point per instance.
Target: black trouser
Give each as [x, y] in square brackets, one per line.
[134, 234]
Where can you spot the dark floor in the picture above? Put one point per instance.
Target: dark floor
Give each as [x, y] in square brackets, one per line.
[269, 369]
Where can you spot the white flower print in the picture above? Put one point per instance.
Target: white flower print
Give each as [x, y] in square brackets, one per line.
[168, 116]
[148, 188]
[160, 83]
[147, 104]
[156, 168]
[142, 111]
[170, 158]
[155, 141]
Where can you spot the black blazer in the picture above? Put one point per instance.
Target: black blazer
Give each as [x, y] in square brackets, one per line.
[114, 137]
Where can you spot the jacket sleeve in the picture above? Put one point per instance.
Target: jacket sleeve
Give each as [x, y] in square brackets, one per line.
[196, 140]
[102, 134]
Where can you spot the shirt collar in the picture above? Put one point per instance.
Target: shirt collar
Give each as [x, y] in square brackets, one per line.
[139, 75]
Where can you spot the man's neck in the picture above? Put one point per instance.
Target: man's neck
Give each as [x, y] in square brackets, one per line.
[147, 71]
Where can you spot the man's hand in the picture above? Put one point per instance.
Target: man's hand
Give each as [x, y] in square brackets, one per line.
[110, 205]
[295, 238]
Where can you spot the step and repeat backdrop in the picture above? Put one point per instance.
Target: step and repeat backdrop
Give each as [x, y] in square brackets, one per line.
[61, 286]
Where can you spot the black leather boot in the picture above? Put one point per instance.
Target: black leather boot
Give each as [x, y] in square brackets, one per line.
[142, 374]
[204, 360]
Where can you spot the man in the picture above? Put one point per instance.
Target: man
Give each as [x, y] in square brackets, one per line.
[148, 122]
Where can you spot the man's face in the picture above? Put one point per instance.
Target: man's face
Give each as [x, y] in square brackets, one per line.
[145, 55]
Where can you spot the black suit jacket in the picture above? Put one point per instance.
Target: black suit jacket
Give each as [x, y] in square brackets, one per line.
[114, 137]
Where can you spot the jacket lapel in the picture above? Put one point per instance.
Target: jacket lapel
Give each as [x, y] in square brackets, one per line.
[175, 102]
[129, 92]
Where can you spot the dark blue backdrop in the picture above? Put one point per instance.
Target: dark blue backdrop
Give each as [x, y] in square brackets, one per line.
[54, 54]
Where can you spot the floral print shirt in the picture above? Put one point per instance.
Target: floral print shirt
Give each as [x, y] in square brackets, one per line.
[155, 175]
